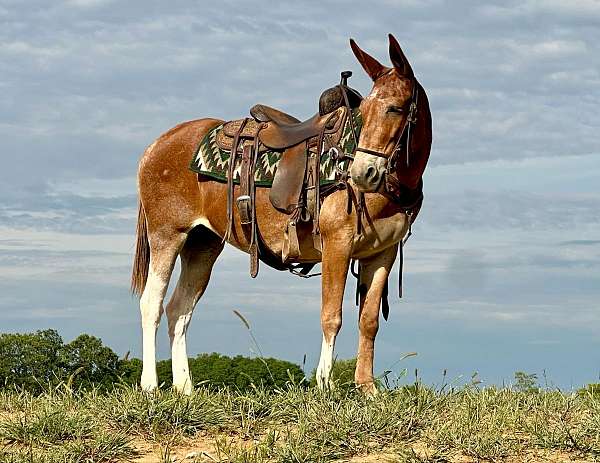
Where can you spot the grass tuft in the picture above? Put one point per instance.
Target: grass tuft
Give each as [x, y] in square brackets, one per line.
[410, 423]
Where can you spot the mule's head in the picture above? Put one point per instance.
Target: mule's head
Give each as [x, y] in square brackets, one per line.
[384, 112]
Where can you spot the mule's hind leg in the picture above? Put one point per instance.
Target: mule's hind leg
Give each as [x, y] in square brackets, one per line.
[164, 248]
[198, 255]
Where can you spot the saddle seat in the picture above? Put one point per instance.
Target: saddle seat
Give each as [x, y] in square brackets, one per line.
[283, 131]
[264, 113]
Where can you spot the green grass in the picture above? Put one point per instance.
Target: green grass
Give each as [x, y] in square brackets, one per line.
[413, 424]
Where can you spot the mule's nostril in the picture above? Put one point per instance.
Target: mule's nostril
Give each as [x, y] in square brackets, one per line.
[366, 174]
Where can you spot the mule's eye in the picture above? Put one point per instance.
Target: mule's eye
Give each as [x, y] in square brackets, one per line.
[395, 109]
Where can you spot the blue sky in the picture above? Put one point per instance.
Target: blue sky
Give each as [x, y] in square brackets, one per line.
[503, 271]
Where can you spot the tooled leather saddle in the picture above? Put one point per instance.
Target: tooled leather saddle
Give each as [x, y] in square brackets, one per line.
[296, 189]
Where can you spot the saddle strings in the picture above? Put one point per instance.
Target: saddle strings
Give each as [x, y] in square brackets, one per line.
[230, 180]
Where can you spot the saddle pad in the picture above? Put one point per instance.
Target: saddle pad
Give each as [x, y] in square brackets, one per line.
[212, 161]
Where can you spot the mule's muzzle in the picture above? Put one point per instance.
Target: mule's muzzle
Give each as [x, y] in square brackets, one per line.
[367, 171]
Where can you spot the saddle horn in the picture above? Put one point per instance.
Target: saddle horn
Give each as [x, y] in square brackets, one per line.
[345, 76]
[333, 98]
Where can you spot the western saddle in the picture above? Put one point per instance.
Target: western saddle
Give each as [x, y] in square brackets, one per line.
[296, 189]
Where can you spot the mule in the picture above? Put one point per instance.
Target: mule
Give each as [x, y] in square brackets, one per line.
[181, 214]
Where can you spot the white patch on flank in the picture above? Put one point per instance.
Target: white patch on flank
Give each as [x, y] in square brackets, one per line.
[202, 221]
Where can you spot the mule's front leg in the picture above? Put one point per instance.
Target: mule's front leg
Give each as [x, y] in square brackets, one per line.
[336, 260]
[373, 276]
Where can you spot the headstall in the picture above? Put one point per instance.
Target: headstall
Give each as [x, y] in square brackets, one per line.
[410, 120]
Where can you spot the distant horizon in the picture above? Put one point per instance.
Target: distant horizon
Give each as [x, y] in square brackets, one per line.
[502, 273]
[402, 374]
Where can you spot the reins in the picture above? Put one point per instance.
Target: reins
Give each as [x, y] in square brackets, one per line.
[409, 200]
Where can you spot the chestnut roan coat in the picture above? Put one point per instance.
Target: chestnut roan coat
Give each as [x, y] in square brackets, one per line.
[182, 215]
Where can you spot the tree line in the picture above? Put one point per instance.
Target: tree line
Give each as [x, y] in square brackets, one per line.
[36, 361]
[40, 360]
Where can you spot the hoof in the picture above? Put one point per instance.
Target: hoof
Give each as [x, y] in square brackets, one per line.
[149, 385]
[369, 389]
[324, 383]
[184, 388]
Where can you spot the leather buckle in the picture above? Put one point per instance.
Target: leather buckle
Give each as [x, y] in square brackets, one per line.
[412, 113]
[243, 204]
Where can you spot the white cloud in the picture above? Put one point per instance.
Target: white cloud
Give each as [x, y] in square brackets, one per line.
[548, 49]
[88, 3]
[580, 8]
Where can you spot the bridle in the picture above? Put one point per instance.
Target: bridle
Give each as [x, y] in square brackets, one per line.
[411, 119]
[409, 200]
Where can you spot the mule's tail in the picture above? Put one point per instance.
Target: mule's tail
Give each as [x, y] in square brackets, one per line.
[141, 261]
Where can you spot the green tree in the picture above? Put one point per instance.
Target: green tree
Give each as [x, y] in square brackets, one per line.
[243, 372]
[164, 372]
[30, 360]
[216, 370]
[91, 363]
[592, 390]
[525, 382]
[130, 371]
[35, 360]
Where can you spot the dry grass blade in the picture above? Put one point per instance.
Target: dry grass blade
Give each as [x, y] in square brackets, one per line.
[242, 318]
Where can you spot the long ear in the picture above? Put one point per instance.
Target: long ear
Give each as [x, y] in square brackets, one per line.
[373, 67]
[398, 59]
